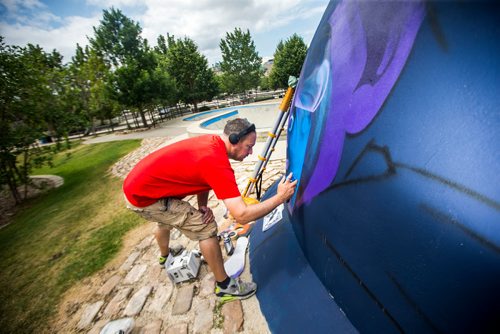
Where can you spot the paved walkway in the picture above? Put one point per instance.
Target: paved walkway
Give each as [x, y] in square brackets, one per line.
[139, 289]
[176, 129]
[168, 129]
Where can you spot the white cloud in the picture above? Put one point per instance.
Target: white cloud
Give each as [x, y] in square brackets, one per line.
[23, 12]
[114, 3]
[72, 30]
[204, 21]
[17, 6]
[207, 21]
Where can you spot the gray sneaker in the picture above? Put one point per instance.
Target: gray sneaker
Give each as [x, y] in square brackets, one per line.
[236, 289]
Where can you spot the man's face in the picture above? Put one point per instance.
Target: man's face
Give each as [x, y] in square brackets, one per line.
[244, 147]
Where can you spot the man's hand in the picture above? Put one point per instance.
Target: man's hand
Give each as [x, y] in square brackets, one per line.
[286, 188]
[208, 215]
[244, 214]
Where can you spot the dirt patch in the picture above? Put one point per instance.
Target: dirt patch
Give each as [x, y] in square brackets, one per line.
[39, 185]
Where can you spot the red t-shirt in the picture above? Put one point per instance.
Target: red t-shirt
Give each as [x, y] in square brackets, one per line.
[187, 167]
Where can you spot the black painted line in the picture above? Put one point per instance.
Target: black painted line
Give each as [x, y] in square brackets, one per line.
[363, 285]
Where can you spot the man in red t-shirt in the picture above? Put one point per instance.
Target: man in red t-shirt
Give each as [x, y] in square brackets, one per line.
[156, 185]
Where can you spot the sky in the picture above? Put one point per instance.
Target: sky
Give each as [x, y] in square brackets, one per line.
[62, 24]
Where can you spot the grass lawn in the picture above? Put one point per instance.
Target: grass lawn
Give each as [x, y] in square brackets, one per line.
[62, 236]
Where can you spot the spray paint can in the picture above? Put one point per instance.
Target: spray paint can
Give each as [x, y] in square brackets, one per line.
[228, 244]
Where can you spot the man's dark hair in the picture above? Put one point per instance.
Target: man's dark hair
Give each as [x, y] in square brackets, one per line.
[236, 125]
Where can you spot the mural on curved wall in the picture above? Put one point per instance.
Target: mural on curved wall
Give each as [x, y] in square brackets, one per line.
[394, 136]
[355, 59]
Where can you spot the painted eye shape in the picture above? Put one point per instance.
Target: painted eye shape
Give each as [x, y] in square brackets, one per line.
[313, 87]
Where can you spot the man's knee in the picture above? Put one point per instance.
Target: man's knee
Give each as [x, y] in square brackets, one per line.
[162, 231]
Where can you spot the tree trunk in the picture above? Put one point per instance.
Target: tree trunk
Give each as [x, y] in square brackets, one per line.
[152, 118]
[111, 125]
[14, 191]
[143, 117]
[126, 120]
[10, 179]
[135, 119]
[25, 176]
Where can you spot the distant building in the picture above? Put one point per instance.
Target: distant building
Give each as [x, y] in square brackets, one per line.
[217, 69]
[267, 65]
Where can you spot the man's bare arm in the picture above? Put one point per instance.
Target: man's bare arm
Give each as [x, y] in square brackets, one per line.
[245, 214]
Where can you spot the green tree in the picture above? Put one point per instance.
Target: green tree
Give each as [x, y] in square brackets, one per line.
[100, 105]
[89, 75]
[194, 79]
[141, 83]
[13, 131]
[161, 48]
[168, 94]
[135, 81]
[264, 83]
[73, 100]
[241, 64]
[31, 105]
[117, 37]
[288, 59]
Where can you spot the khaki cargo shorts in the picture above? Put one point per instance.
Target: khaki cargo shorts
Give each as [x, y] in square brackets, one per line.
[171, 213]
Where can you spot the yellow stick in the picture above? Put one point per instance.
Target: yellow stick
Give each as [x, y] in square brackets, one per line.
[271, 140]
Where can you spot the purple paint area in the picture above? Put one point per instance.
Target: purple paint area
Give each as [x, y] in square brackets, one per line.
[370, 43]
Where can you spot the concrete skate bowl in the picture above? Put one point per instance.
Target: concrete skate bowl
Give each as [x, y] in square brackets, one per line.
[212, 122]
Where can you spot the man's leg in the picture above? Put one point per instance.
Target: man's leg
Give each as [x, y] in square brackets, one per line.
[211, 252]
[193, 227]
[156, 212]
[162, 236]
[226, 288]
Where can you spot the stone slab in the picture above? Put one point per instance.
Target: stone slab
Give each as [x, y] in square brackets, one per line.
[96, 329]
[129, 261]
[146, 242]
[233, 317]
[135, 274]
[154, 327]
[181, 328]
[109, 285]
[162, 295]
[89, 313]
[116, 304]
[137, 301]
[204, 317]
[207, 285]
[155, 274]
[183, 299]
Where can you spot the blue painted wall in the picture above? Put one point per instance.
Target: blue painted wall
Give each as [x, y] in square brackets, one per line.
[406, 235]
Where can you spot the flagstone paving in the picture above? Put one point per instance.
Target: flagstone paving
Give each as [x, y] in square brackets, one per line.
[140, 288]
